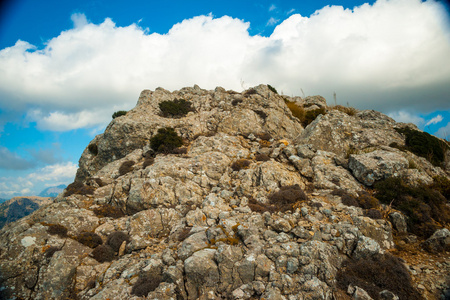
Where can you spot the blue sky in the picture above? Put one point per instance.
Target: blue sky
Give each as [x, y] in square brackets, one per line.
[66, 66]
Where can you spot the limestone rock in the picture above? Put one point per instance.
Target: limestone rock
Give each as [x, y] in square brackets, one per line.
[439, 241]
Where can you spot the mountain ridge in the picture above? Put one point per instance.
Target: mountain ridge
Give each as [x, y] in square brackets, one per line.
[239, 196]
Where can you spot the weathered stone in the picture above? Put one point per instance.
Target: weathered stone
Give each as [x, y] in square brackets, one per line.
[376, 165]
[398, 221]
[201, 271]
[366, 248]
[439, 241]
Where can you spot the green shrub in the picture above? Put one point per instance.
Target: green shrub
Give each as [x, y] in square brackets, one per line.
[272, 89]
[166, 140]
[93, 149]
[89, 239]
[375, 274]
[56, 229]
[103, 253]
[126, 167]
[78, 188]
[426, 208]
[177, 108]
[116, 239]
[108, 211]
[119, 113]
[366, 201]
[146, 283]
[424, 144]
[442, 185]
[311, 115]
[240, 164]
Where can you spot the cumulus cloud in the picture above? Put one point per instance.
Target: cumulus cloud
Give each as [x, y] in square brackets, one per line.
[34, 182]
[407, 117]
[12, 161]
[444, 132]
[385, 56]
[434, 120]
[272, 21]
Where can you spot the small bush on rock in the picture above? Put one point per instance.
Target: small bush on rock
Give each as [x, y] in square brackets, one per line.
[373, 214]
[126, 167]
[346, 109]
[148, 162]
[177, 108]
[93, 148]
[108, 211]
[236, 102]
[116, 239]
[425, 208]
[240, 164]
[378, 273]
[263, 136]
[166, 140]
[366, 201]
[297, 111]
[286, 197]
[424, 144]
[119, 113]
[272, 89]
[89, 239]
[311, 115]
[103, 253]
[146, 283]
[262, 157]
[78, 188]
[50, 251]
[56, 229]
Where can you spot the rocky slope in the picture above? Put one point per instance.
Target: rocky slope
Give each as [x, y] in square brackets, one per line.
[257, 204]
[19, 207]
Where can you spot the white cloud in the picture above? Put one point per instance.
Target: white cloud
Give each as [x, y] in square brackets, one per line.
[272, 21]
[272, 7]
[385, 56]
[444, 132]
[434, 120]
[33, 183]
[406, 117]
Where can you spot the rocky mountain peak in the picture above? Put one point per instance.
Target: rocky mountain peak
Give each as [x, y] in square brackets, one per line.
[198, 194]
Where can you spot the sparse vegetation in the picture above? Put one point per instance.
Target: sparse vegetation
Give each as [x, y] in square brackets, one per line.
[272, 89]
[50, 251]
[250, 92]
[148, 162]
[263, 136]
[103, 253]
[235, 102]
[311, 115]
[425, 207]
[262, 157]
[297, 111]
[89, 239]
[78, 188]
[240, 164]
[166, 140]
[261, 114]
[146, 283]
[126, 167]
[423, 144]
[177, 108]
[283, 200]
[93, 149]
[119, 113]
[116, 239]
[184, 233]
[56, 229]
[366, 201]
[375, 274]
[373, 214]
[181, 150]
[108, 211]
[345, 109]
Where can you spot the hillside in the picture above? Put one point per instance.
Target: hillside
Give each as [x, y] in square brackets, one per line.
[198, 194]
[18, 207]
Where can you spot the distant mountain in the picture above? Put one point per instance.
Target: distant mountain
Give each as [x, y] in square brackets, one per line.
[52, 191]
[19, 207]
[3, 200]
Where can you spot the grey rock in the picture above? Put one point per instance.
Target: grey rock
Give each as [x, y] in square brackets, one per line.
[439, 241]
[398, 221]
[366, 248]
[201, 272]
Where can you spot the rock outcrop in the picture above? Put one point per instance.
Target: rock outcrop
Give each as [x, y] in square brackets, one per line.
[253, 205]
